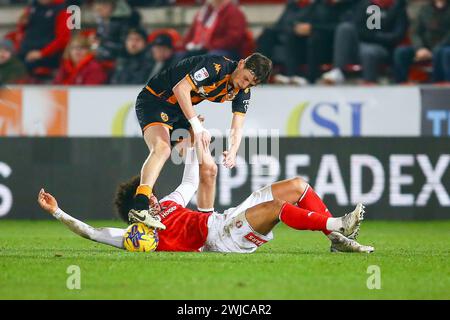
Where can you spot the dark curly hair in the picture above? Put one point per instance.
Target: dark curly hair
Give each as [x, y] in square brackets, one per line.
[124, 197]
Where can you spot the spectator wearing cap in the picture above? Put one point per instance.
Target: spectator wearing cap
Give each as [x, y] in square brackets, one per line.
[45, 34]
[12, 70]
[114, 19]
[430, 42]
[79, 66]
[135, 63]
[163, 54]
[219, 28]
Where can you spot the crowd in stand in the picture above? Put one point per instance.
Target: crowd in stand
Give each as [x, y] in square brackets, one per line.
[327, 40]
[321, 41]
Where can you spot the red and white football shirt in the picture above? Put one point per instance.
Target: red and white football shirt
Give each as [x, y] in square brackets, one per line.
[186, 229]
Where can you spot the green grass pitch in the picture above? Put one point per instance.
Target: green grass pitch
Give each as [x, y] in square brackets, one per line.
[413, 258]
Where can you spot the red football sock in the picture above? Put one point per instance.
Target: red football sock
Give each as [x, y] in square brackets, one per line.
[302, 219]
[311, 201]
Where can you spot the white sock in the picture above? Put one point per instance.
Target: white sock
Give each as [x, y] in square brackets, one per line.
[205, 209]
[334, 224]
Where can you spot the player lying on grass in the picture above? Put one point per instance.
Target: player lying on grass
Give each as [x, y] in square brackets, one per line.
[241, 229]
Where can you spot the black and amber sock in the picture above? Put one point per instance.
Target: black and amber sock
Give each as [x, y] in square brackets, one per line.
[142, 197]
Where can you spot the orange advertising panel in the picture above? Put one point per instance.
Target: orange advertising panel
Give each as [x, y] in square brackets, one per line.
[34, 111]
[45, 112]
[10, 112]
[57, 126]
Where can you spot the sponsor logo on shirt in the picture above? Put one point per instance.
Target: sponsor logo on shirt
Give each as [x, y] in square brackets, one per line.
[201, 74]
[255, 239]
[217, 67]
[164, 214]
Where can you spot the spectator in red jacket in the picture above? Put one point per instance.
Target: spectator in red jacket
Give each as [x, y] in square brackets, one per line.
[79, 66]
[45, 34]
[219, 28]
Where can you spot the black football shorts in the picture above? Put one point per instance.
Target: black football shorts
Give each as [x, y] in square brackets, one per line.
[151, 111]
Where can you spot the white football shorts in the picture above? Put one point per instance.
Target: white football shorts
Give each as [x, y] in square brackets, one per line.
[231, 232]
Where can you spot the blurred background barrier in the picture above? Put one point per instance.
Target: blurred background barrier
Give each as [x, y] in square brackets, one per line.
[397, 178]
[316, 111]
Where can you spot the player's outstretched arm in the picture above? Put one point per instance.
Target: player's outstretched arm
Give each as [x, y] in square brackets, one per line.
[234, 140]
[182, 92]
[109, 236]
[189, 184]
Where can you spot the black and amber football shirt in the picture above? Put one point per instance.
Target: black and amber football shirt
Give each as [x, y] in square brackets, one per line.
[209, 77]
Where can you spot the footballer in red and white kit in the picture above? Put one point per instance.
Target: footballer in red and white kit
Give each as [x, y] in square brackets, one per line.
[188, 230]
[241, 229]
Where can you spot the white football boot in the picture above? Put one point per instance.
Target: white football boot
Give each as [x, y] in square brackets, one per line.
[334, 76]
[340, 243]
[299, 81]
[296, 80]
[354, 235]
[281, 79]
[351, 221]
[146, 217]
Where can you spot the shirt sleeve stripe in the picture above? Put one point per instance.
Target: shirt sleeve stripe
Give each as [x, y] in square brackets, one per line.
[194, 87]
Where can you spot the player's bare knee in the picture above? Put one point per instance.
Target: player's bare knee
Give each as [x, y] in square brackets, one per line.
[277, 203]
[208, 173]
[299, 184]
[275, 207]
[209, 169]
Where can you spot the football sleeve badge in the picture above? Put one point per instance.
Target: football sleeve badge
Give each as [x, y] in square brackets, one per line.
[201, 74]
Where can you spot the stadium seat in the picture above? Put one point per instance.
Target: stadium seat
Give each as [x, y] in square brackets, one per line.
[420, 72]
[39, 75]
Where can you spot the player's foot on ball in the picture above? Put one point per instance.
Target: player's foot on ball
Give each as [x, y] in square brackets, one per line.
[144, 216]
[351, 221]
[340, 243]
